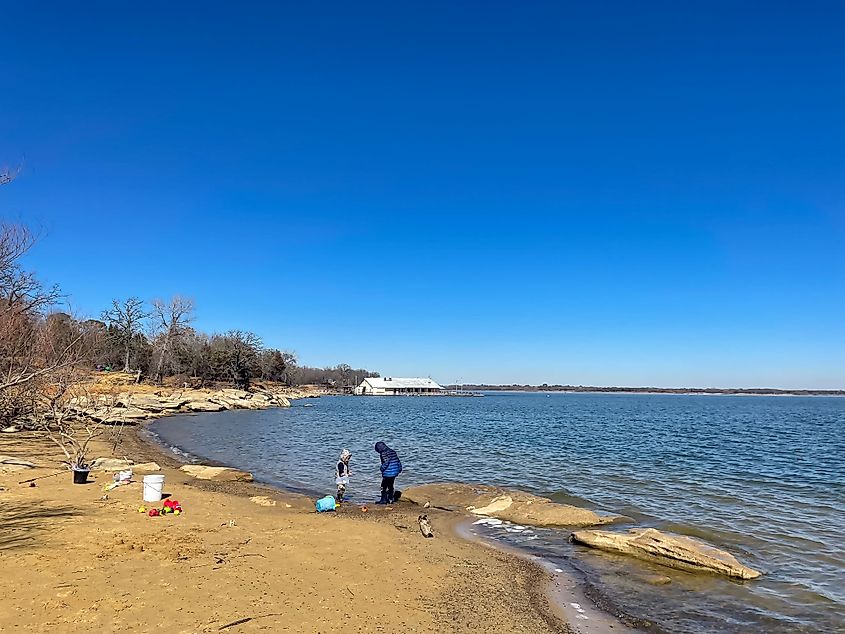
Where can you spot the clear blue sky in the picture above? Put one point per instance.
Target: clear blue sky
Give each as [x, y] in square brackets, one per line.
[631, 193]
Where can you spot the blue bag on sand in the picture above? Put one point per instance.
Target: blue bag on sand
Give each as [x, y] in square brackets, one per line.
[325, 504]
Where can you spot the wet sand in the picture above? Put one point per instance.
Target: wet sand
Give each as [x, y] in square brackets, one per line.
[73, 560]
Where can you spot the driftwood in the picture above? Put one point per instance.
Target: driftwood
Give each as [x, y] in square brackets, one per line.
[247, 619]
[425, 526]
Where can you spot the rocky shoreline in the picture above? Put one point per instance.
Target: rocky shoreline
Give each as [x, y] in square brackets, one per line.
[132, 406]
[510, 505]
[480, 501]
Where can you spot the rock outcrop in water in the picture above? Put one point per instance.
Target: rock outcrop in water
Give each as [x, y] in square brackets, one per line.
[504, 504]
[674, 551]
[218, 474]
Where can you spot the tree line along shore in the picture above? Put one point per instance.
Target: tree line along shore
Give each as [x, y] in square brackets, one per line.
[46, 353]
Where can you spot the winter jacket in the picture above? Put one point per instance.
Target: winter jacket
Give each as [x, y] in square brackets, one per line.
[390, 464]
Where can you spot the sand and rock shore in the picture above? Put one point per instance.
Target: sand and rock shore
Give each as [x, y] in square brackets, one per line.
[245, 557]
[241, 558]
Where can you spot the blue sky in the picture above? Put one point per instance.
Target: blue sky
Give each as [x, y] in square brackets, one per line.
[626, 194]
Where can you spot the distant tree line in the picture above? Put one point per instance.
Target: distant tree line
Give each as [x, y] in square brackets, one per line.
[545, 387]
[158, 341]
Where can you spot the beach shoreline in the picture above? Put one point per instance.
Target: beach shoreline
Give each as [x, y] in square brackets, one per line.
[561, 592]
[110, 566]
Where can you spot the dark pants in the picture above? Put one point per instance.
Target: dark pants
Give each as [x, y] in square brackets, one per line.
[387, 487]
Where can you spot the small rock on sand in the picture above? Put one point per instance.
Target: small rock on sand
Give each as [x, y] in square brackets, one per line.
[263, 500]
[146, 466]
[657, 580]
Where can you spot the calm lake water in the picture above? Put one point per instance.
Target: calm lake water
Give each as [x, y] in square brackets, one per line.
[762, 477]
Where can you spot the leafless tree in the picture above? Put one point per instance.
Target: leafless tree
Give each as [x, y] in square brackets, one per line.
[127, 319]
[30, 346]
[171, 324]
[20, 291]
[72, 416]
[7, 175]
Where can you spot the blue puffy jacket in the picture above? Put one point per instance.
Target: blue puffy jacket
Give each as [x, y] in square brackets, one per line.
[390, 464]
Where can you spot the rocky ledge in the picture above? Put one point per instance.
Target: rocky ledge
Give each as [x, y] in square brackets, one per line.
[218, 474]
[505, 504]
[674, 551]
[131, 407]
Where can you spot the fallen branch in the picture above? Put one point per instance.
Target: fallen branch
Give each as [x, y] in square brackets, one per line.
[234, 623]
[247, 619]
[42, 477]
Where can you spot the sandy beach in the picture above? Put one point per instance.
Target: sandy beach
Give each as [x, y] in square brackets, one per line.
[73, 559]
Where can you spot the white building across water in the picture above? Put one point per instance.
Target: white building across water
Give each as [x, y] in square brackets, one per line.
[392, 386]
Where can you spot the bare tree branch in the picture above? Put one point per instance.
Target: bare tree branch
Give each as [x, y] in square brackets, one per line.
[127, 319]
[170, 321]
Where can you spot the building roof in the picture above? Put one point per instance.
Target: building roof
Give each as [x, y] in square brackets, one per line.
[389, 382]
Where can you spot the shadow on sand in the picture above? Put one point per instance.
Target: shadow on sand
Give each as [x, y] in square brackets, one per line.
[21, 523]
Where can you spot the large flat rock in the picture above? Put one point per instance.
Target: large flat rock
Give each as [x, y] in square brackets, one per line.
[218, 474]
[674, 551]
[204, 406]
[504, 504]
[151, 402]
[124, 415]
[122, 464]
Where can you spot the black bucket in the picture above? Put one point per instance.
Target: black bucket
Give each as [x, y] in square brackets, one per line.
[80, 476]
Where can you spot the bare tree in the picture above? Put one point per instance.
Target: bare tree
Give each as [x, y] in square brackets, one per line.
[30, 349]
[7, 175]
[20, 291]
[127, 319]
[170, 322]
[71, 416]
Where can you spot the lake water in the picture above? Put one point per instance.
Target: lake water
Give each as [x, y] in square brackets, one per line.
[762, 477]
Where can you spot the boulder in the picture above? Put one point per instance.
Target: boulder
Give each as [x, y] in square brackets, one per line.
[674, 551]
[151, 402]
[123, 415]
[10, 430]
[204, 406]
[218, 474]
[233, 394]
[513, 506]
[9, 464]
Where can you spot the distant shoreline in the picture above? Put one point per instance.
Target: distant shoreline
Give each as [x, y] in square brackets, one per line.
[648, 390]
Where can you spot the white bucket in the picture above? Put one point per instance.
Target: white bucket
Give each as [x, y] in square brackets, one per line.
[153, 486]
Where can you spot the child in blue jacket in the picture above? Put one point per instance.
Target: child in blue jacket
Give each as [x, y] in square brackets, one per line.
[390, 468]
